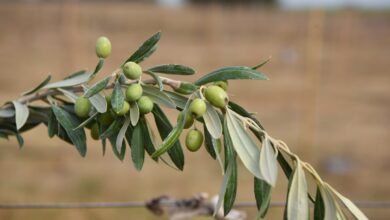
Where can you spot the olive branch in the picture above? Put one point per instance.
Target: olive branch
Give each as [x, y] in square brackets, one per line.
[72, 105]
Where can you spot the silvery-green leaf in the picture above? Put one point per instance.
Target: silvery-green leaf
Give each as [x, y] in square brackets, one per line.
[268, 163]
[77, 80]
[97, 101]
[21, 114]
[20, 140]
[137, 147]
[42, 84]
[212, 121]
[7, 113]
[121, 134]
[146, 49]
[158, 96]
[156, 78]
[222, 189]
[261, 64]
[97, 87]
[134, 113]
[98, 67]
[319, 207]
[243, 144]
[262, 192]
[70, 95]
[173, 69]
[86, 121]
[68, 122]
[298, 202]
[117, 98]
[355, 211]
[179, 100]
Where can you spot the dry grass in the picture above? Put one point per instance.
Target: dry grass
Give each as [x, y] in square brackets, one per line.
[334, 105]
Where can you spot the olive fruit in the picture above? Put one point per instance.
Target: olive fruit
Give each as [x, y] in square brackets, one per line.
[82, 107]
[145, 105]
[197, 107]
[125, 109]
[133, 92]
[132, 70]
[103, 47]
[108, 100]
[95, 131]
[105, 118]
[216, 96]
[223, 84]
[189, 121]
[194, 140]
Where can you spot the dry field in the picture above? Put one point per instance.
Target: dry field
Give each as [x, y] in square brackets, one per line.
[328, 98]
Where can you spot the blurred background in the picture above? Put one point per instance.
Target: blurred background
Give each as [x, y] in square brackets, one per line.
[328, 97]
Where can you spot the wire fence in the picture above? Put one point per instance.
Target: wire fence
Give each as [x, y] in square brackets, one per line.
[140, 204]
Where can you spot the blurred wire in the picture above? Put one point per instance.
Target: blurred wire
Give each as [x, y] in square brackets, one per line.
[138, 204]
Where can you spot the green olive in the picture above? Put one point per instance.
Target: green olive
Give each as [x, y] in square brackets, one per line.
[145, 105]
[82, 107]
[194, 140]
[223, 84]
[216, 96]
[103, 47]
[132, 70]
[105, 118]
[189, 121]
[197, 107]
[134, 92]
[108, 100]
[95, 131]
[125, 109]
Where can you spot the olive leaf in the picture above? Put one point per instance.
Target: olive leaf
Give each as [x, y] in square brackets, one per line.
[112, 129]
[230, 73]
[70, 95]
[85, 122]
[68, 122]
[298, 203]
[173, 69]
[7, 113]
[231, 187]
[223, 187]
[117, 98]
[319, 207]
[119, 154]
[186, 88]
[20, 140]
[355, 211]
[52, 125]
[263, 196]
[328, 202]
[42, 84]
[158, 96]
[165, 129]
[179, 100]
[268, 163]
[243, 144]
[212, 121]
[134, 113]
[148, 135]
[137, 147]
[209, 142]
[21, 114]
[75, 74]
[97, 87]
[98, 67]
[121, 135]
[97, 101]
[261, 64]
[156, 78]
[146, 49]
[76, 80]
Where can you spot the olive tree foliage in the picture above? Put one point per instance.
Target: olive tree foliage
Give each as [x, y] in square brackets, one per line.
[120, 108]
